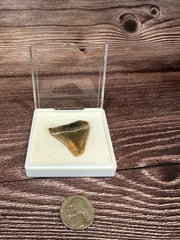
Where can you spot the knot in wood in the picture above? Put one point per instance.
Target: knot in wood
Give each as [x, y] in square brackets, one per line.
[155, 11]
[82, 50]
[130, 22]
[165, 173]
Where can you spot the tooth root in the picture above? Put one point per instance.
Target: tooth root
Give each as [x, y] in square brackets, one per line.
[73, 136]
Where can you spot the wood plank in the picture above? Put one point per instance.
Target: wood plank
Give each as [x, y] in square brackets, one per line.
[135, 204]
[163, 34]
[90, 4]
[75, 16]
[142, 110]
[138, 7]
[156, 38]
[134, 57]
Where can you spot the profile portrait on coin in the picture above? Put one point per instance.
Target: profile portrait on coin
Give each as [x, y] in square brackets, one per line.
[78, 213]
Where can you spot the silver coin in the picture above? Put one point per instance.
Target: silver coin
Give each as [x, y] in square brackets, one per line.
[77, 212]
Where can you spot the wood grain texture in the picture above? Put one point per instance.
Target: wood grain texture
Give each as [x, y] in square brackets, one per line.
[142, 103]
[135, 204]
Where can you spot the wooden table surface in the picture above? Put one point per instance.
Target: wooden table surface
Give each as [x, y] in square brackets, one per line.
[142, 103]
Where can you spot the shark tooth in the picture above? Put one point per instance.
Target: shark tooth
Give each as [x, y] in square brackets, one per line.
[73, 136]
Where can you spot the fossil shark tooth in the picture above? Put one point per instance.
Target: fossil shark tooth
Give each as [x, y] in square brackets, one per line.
[73, 136]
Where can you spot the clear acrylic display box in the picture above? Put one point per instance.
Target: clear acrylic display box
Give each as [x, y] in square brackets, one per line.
[68, 85]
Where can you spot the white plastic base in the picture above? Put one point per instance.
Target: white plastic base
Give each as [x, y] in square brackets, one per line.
[47, 157]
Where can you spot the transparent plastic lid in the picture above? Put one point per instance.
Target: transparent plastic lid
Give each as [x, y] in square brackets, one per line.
[68, 76]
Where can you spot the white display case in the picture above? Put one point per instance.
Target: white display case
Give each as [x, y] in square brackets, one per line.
[68, 85]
